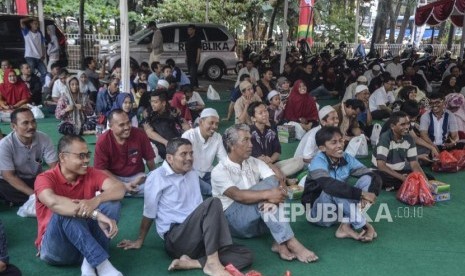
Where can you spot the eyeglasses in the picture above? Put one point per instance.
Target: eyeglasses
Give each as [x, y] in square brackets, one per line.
[82, 155]
[435, 103]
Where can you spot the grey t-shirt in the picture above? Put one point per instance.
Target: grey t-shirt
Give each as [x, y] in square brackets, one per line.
[26, 162]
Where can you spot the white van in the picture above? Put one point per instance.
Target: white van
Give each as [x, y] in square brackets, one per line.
[218, 48]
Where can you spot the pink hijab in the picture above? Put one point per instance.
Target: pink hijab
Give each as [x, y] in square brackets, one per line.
[176, 102]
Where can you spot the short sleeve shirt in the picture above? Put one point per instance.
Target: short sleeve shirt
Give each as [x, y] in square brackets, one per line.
[266, 143]
[126, 159]
[85, 187]
[26, 161]
[396, 154]
[228, 174]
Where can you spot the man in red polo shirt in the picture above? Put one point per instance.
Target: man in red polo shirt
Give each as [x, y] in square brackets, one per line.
[121, 152]
[77, 211]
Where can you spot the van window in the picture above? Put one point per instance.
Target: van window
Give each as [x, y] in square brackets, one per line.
[215, 34]
[146, 40]
[10, 31]
[168, 34]
[183, 34]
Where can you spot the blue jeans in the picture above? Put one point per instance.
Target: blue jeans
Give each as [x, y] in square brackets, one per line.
[247, 221]
[350, 211]
[68, 239]
[38, 64]
[3, 245]
[320, 92]
[205, 184]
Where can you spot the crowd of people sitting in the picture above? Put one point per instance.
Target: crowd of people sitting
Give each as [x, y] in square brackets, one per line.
[211, 187]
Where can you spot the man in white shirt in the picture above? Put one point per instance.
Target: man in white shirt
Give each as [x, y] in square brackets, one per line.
[251, 71]
[395, 68]
[372, 73]
[195, 233]
[59, 87]
[350, 90]
[251, 196]
[380, 99]
[307, 147]
[207, 144]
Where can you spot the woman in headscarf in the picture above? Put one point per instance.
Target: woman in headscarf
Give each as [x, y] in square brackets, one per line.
[301, 107]
[455, 103]
[125, 101]
[53, 48]
[86, 86]
[13, 93]
[449, 85]
[72, 110]
[180, 103]
[284, 88]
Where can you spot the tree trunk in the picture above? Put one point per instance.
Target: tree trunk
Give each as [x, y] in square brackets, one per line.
[272, 19]
[442, 30]
[393, 15]
[403, 26]
[450, 37]
[81, 33]
[379, 29]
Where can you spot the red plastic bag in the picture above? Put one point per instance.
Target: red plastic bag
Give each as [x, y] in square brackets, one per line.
[446, 163]
[415, 190]
[460, 156]
[425, 197]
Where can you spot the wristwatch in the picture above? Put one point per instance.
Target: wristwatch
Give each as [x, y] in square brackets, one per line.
[95, 213]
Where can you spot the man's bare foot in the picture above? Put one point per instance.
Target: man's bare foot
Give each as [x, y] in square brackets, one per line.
[2, 266]
[283, 251]
[369, 234]
[303, 254]
[215, 269]
[184, 263]
[345, 231]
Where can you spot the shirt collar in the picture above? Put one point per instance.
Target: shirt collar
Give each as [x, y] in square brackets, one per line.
[197, 130]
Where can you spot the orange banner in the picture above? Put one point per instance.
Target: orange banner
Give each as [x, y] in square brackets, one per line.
[21, 7]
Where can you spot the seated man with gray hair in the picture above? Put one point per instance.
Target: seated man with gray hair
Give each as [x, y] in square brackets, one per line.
[251, 196]
[207, 144]
[195, 233]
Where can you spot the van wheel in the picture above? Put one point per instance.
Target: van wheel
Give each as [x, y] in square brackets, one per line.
[214, 70]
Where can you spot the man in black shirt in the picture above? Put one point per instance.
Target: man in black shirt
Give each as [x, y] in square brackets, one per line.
[193, 48]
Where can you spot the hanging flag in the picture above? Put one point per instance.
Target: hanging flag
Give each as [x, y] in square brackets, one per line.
[21, 7]
[306, 21]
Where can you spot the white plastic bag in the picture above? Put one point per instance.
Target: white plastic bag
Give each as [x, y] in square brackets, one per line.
[36, 111]
[29, 208]
[299, 130]
[212, 95]
[375, 134]
[358, 146]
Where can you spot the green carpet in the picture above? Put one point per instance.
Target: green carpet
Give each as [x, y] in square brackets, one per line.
[419, 240]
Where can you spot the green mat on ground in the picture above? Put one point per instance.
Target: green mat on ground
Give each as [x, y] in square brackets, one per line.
[418, 240]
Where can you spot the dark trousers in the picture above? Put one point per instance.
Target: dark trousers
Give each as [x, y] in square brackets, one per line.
[13, 196]
[193, 68]
[390, 181]
[204, 232]
[380, 114]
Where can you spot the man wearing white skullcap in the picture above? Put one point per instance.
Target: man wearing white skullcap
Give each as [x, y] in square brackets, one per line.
[307, 147]
[373, 73]
[206, 144]
[350, 90]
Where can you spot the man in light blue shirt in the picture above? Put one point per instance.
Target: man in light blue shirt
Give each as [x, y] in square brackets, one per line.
[195, 233]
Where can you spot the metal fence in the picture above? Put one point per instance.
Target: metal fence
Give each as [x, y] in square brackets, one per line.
[94, 42]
